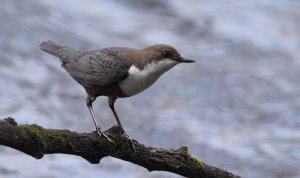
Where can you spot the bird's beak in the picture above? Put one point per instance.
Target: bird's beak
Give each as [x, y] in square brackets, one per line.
[184, 60]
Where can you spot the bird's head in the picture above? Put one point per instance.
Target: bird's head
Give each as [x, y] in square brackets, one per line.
[163, 52]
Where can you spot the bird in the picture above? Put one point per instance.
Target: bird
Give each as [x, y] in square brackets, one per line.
[115, 72]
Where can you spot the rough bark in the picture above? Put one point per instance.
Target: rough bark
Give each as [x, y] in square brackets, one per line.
[36, 141]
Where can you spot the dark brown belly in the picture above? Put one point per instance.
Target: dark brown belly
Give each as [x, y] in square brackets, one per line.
[108, 90]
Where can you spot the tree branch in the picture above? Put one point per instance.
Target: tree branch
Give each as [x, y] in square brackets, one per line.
[36, 141]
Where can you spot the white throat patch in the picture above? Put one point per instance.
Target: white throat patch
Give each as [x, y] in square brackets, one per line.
[139, 80]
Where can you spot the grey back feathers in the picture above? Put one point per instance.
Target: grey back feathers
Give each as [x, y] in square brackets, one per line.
[89, 67]
[97, 69]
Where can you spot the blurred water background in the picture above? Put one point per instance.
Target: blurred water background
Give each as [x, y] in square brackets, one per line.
[237, 107]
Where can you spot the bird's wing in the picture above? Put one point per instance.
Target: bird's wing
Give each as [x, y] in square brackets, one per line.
[97, 68]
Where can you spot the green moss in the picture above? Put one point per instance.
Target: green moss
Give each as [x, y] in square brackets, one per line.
[185, 152]
[197, 160]
[43, 136]
[33, 128]
[40, 131]
[36, 133]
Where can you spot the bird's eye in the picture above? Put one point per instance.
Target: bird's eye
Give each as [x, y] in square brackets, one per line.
[166, 53]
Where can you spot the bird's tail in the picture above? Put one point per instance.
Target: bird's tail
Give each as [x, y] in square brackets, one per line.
[65, 54]
[50, 47]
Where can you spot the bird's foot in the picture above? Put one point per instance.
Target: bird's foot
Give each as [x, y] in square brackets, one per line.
[105, 135]
[131, 141]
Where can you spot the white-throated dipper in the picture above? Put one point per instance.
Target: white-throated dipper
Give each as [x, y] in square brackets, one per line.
[115, 72]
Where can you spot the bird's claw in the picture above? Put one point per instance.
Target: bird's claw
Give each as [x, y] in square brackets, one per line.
[131, 141]
[105, 135]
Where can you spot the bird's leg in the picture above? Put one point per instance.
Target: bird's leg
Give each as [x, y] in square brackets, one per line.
[111, 103]
[89, 102]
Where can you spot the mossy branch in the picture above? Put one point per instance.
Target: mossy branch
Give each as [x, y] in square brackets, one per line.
[36, 141]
